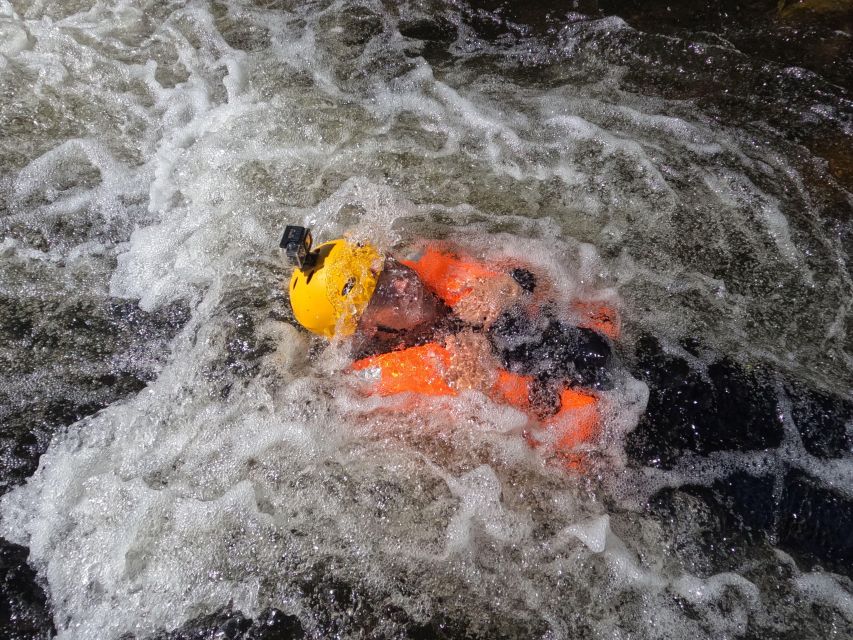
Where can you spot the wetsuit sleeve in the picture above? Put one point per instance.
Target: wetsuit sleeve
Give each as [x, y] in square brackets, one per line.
[553, 351]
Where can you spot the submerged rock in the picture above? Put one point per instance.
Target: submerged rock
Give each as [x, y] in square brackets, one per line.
[24, 609]
[741, 517]
[690, 410]
[823, 421]
[66, 359]
[272, 624]
[800, 9]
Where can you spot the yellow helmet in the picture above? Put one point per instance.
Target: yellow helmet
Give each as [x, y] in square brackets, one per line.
[329, 296]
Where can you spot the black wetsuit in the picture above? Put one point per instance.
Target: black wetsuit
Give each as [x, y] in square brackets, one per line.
[554, 352]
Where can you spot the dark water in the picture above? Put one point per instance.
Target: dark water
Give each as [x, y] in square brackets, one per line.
[206, 470]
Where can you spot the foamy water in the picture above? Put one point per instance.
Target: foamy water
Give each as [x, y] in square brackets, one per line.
[156, 151]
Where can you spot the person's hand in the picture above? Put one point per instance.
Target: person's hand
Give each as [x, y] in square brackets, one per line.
[488, 299]
[472, 363]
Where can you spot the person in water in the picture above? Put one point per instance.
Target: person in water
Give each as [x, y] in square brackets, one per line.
[439, 323]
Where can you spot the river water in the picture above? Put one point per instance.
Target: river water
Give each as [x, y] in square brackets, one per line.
[179, 460]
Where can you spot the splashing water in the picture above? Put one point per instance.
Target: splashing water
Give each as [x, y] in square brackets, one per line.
[208, 458]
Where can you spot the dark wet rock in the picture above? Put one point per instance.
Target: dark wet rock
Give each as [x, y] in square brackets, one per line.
[353, 25]
[343, 609]
[806, 33]
[839, 158]
[728, 406]
[744, 502]
[526, 279]
[336, 605]
[745, 409]
[244, 347]
[238, 33]
[814, 34]
[715, 529]
[272, 624]
[494, 18]
[840, 11]
[815, 524]
[824, 421]
[66, 359]
[730, 527]
[670, 17]
[724, 408]
[24, 611]
[728, 524]
[434, 29]
[741, 63]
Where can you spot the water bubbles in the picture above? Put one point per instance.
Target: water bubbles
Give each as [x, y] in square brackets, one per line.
[155, 155]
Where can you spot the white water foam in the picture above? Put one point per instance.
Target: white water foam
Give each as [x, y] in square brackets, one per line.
[213, 488]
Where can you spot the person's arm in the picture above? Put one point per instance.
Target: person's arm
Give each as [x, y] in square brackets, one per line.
[488, 299]
[472, 362]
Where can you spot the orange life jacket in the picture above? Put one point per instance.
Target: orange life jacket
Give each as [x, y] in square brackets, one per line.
[447, 275]
[422, 369]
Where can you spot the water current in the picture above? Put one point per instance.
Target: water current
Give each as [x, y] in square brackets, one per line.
[180, 460]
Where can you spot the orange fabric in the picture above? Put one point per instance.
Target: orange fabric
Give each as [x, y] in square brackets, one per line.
[421, 370]
[449, 277]
[513, 389]
[598, 316]
[577, 420]
[417, 369]
[452, 278]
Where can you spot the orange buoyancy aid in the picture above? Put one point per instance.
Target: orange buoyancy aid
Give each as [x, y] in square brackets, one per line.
[448, 276]
[423, 369]
[452, 278]
[418, 369]
[598, 316]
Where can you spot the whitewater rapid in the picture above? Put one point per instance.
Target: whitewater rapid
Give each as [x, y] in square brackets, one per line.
[155, 152]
